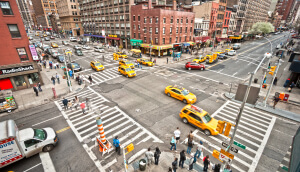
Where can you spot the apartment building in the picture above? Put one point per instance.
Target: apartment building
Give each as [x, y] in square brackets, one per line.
[220, 18]
[69, 16]
[240, 18]
[283, 8]
[107, 20]
[42, 9]
[232, 20]
[25, 13]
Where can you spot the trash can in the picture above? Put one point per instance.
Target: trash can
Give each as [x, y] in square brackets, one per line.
[255, 80]
[286, 97]
[142, 164]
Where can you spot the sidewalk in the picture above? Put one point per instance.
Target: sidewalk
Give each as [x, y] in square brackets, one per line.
[27, 99]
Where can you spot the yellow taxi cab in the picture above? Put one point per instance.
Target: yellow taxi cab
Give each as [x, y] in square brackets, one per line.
[181, 94]
[199, 59]
[126, 63]
[228, 49]
[219, 52]
[145, 62]
[97, 66]
[135, 53]
[54, 45]
[37, 34]
[200, 118]
[212, 58]
[44, 35]
[119, 55]
[126, 71]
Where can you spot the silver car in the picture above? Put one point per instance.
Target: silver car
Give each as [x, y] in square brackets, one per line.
[99, 49]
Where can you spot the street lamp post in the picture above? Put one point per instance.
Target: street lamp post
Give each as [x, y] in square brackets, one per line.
[269, 56]
[68, 77]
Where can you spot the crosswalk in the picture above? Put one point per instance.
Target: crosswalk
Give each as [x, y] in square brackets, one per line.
[103, 76]
[283, 167]
[115, 122]
[253, 132]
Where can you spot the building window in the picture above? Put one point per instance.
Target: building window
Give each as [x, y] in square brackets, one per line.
[171, 19]
[156, 30]
[5, 7]
[19, 81]
[190, 38]
[176, 29]
[191, 28]
[139, 36]
[192, 21]
[185, 39]
[139, 18]
[177, 20]
[170, 40]
[22, 54]
[170, 30]
[145, 30]
[134, 35]
[180, 29]
[139, 27]
[133, 18]
[185, 29]
[156, 40]
[150, 29]
[145, 39]
[179, 39]
[156, 20]
[164, 20]
[150, 20]
[181, 20]
[164, 40]
[164, 30]
[176, 39]
[134, 27]
[14, 30]
[145, 20]
[187, 20]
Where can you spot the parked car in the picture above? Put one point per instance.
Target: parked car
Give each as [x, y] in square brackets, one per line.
[44, 47]
[76, 47]
[194, 65]
[222, 56]
[82, 42]
[65, 42]
[76, 66]
[78, 52]
[99, 49]
[86, 47]
[60, 59]
[232, 53]
[47, 39]
[52, 37]
[72, 39]
[236, 46]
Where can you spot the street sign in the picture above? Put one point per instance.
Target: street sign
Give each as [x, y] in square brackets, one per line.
[229, 155]
[233, 149]
[223, 157]
[239, 145]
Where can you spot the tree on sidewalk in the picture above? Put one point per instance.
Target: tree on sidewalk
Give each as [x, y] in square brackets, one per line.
[261, 28]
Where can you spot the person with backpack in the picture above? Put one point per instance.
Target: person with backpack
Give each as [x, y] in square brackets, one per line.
[156, 156]
[193, 160]
[173, 143]
[182, 158]
[65, 103]
[174, 165]
[116, 143]
[190, 146]
[206, 162]
[190, 136]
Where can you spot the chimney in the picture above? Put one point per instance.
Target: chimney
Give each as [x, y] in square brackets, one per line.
[149, 4]
[174, 5]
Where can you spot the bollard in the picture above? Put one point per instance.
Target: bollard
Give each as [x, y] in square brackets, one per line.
[104, 145]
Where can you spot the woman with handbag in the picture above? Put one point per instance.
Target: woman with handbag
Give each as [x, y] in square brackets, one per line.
[173, 143]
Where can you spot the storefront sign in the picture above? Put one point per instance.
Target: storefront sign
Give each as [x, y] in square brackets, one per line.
[33, 52]
[16, 69]
[113, 36]
[176, 45]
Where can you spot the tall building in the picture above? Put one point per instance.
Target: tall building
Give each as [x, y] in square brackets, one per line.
[158, 27]
[25, 13]
[43, 9]
[232, 20]
[69, 15]
[220, 18]
[242, 6]
[17, 68]
[283, 8]
[107, 20]
[293, 12]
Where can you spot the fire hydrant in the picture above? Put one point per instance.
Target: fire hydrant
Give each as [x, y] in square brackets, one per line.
[54, 92]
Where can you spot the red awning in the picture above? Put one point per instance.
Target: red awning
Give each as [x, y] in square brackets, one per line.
[5, 84]
[201, 39]
[112, 38]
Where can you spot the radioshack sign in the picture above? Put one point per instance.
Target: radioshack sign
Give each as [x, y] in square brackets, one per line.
[16, 69]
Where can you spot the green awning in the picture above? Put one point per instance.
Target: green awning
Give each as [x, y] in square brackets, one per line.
[136, 42]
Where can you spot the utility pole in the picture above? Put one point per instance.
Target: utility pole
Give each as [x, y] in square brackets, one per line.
[269, 56]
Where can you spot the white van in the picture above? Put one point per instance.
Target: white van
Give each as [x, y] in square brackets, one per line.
[232, 52]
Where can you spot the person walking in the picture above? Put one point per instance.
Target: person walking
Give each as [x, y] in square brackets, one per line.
[227, 168]
[70, 104]
[57, 77]
[40, 87]
[90, 79]
[192, 161]
[199, 150]
[175, 164]
[190, 146]
[217, 168]
[190, 136]
[50, 64]
[53, 80]
[291, 86]
[167, 60]
[116, 143]
[65, 103]
[206, 163]
[82, 106]
[156, 155]
[173, 143]
[276, 100]
[177, 134]
[36, 90]
[182, 158]
[149, 155]
[275, 81]
[76, 102]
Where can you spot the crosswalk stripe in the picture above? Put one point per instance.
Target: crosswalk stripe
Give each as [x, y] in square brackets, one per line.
[252, 109]
[133, 139]
[96, 77]
[119, 131]
[129, 133]
[101, 107]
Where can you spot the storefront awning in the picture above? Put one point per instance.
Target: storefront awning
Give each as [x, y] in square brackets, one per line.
[186, 44]
[157, 47]
[97, 36]
[135, 42]
[5, 84]
[112, 38]
[191, 43]
[201, 39]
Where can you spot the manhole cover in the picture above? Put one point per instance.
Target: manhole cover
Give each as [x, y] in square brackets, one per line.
[137, 110]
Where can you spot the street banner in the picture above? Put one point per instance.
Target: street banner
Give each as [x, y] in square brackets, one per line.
[33, 52]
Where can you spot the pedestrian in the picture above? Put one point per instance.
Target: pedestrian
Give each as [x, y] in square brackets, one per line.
[140, 55]
[70, 104]
[53, 80]
[182, 158]
[65, 103]
[156, 155]
[88, 104]
[76, 102]
[190, 146]
[40, 87]
[192, 161]
[275, 81]
[151, 59]
[90, 79]
[228, 168]
[190, 136]
[116, 143]
[167, 60]
[154, 61]
[36, 90]
[82, 106]
[170, 169]
[199, 149]
[177, 135]
[286, 82]
[175, 164]
[291, 87]
[57, 77]
[217, 168]
[149, 156]
[50, 64]
[206, 162]
[173, 143]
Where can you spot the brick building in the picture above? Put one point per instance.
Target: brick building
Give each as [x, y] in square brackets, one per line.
[220, 17]
[42, 9]
[226, 21]
[162, 25]
[17, 69]
[283, 8]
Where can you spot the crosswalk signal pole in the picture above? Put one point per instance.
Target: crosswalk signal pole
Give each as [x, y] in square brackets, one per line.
[68, 77]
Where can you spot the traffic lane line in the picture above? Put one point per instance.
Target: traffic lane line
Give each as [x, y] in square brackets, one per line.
[62, 130]
[32, 167]
[246, 51]
[47, 120]
[47, 162]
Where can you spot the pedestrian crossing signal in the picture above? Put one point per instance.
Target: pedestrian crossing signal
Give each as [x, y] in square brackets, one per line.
[220, 127]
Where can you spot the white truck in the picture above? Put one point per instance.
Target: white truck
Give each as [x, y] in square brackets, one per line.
[17, 144]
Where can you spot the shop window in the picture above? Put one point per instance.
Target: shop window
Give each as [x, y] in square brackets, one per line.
[14, 30]
[33, 78]
[19, 81]
[22, 54]
[5, 7]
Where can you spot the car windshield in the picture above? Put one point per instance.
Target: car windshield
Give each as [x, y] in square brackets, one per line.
[146, 60]
[78, 51]
[40, 134]
[185, 92]
[75, 64]
[206, 118]
[97, 64]
[128, 69]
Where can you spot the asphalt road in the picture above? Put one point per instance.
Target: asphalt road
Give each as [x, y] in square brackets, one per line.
[137, 110]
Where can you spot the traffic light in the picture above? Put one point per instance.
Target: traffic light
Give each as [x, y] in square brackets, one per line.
[220, 127]
[216, 154]
[272, 70]
[227, 129]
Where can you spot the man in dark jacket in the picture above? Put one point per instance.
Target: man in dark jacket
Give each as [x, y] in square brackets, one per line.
[65, 102]
[36, 90]
[206, 163]
[182, 158]
[174, 164]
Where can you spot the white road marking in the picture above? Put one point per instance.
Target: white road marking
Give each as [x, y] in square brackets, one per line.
[138, 154]
[216, 112]
[110, 163]
[234, 73]
[47, 162]
[32, 167]
[232, 76]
